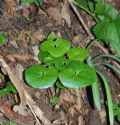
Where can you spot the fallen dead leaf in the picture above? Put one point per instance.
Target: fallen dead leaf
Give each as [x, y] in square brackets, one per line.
[65, 13]
[37, 36]
[10, 7]
[55, 14]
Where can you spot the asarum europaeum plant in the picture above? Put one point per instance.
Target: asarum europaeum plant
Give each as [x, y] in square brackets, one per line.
[60, 62]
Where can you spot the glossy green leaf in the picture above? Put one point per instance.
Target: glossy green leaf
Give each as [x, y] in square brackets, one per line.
[110, 56]
[109, 98]
[105, 11]
[109, 31]
[95, 88]
[77, 74]
[77, 54]
[56, 47]
[41, 77]
[2, 40]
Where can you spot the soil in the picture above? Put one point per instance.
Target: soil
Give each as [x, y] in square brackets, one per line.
[25, 28]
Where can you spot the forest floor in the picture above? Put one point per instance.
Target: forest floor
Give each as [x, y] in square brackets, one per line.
[24, 28]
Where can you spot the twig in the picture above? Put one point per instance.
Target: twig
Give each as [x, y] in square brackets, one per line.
[37, 120]
[81, 20]
[38, 112]
[24, 95]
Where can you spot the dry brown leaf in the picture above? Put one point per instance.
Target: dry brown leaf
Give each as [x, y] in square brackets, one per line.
[55, 14]
[10, 7]
[65, 13]
[38, 36]
[18, 57]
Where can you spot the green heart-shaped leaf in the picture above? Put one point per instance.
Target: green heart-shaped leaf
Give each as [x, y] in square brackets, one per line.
[41, 77]
[56, 47]
[77, 74]
[78, 54]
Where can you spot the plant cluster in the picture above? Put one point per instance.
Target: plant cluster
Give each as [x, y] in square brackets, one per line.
[60, 63]
[65, 67]
[70, 67]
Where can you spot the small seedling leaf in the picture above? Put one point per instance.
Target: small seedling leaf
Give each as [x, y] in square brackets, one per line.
[41, 77]
[11, 88]
[54, 100]
[8, 88]
[60, 85]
